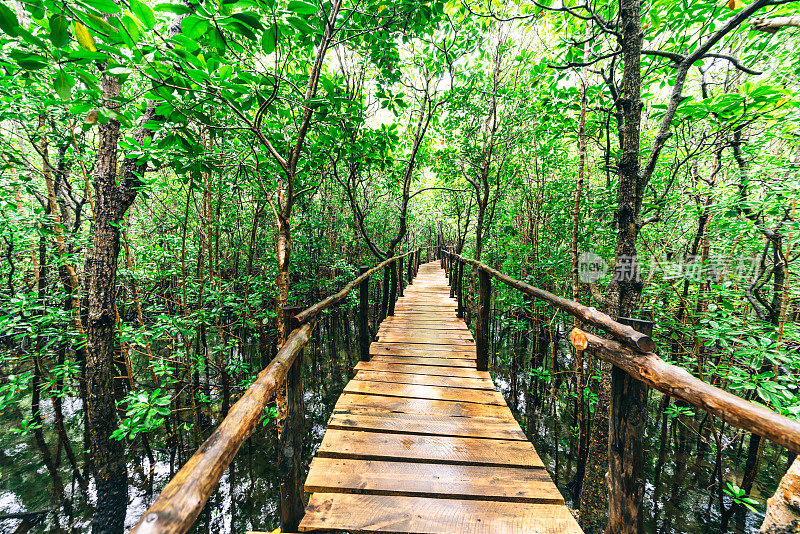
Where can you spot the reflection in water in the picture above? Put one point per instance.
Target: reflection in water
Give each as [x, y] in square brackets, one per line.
[679, 493]
[248, 495]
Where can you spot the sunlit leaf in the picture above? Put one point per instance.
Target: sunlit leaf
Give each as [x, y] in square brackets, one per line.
[84, 38]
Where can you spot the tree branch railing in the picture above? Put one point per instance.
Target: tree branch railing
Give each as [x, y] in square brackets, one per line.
[183, 498]
[633, 352]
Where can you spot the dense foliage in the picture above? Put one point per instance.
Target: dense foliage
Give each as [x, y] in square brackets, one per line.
[175, 174]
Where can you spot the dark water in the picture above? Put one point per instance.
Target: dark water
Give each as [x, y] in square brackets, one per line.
[248, 495]
[685, 500]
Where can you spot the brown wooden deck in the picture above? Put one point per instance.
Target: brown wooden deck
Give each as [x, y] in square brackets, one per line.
[422, 442]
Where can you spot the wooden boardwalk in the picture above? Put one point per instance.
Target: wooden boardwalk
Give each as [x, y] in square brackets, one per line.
[422, 442]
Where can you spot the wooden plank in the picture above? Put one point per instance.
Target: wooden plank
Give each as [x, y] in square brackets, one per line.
[432, 327]
[426, 335]
[439, 326]
[426, 424]
[410, 360]
[426, 380]
[402, 349]
[377, 365]
[363, 514]
[400, 308]
[415, 314]
[428, 449]
[414, 391]
[440, 481]
[378, 404]
[431, 340]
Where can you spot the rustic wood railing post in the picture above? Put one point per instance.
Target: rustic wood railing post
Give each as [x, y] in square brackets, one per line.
[393, 286]
[453, 275]
[460, 288]
[291, 440]
[482, 326]
[377, 309]
[419, 259]
[363, 316]
[384, 293]
[626, 445]
[400, 277]
[410, 268]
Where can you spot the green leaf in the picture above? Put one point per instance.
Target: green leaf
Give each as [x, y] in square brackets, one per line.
[59, 30]
[197, 75]
[104, 6]
[178, 9]
[302, 8]
[62, 83]
[132, 27]
[250, 19]
[269, 39]
[193, 26]
[8, 20]
[300, 25]
[143, 13]
[29, 61]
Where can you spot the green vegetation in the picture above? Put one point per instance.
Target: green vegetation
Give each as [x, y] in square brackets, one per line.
[174, 175]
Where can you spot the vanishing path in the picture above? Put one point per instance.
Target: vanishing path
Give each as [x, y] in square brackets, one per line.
[422, 442]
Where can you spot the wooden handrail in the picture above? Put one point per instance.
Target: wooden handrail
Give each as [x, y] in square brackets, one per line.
[315, 309]
[587, 314]
[635, 355]
[182, 500]
[679, 383]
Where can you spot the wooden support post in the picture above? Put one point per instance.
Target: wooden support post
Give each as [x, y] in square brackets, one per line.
[410, 273]
[392, 287]
[419, 259]
[363, 316]
[291, 440]
[400, 277]
[447, 262]
[626, 445]
[482, 326]
[460, 288]
[384, 293]
[453, 276]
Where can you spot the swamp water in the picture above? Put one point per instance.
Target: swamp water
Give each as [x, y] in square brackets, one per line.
[248, 495]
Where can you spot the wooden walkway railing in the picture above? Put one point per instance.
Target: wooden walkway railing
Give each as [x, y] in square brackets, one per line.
[631, 354]
[421, 441]
[182, 500]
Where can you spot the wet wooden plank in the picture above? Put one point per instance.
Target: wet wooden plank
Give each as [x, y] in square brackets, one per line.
[426, 380]
[440, 481]
[431, 339]
[411, 360]
[440, 351]
[415, 391]
[377, 365]
[363, 514]
[426, 424]
[439, 326]
[428, 449]
[381, 404]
